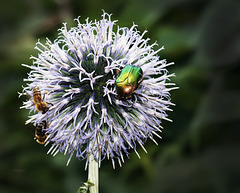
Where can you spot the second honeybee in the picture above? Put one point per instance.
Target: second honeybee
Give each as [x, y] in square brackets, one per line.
[40, 132]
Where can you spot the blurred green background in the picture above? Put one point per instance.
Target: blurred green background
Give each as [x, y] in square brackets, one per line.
[199, 151]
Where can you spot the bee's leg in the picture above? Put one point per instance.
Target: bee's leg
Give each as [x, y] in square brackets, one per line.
[49, 103]
[28, 95]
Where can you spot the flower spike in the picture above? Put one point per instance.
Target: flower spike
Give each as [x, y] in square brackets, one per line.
[107, 90]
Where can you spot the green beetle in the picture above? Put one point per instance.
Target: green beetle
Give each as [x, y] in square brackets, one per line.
[128, 80]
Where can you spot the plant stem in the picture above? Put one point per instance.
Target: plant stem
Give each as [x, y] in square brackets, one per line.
[93, 174]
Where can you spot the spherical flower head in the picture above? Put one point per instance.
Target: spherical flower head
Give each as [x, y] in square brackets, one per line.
[104, 87]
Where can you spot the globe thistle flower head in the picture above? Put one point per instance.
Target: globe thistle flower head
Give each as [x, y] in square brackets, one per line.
[105, 88]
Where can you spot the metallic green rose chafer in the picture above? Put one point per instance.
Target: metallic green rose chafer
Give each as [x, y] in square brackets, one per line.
[128, 80]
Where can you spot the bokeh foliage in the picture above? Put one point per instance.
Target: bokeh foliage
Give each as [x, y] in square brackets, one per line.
[199, 151]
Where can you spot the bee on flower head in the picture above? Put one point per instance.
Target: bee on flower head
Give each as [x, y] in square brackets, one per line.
[40, 133]
[38, 100]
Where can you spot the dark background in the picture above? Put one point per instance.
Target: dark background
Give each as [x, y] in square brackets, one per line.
[199, 151]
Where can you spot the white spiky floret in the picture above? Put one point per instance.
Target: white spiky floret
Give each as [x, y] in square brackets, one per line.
[76, 73]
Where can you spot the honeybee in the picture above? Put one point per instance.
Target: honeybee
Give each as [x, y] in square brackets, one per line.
[38, 101]
[40, 133]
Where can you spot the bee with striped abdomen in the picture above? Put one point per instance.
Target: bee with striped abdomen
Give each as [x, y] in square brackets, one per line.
[40, 132]
[38, 101]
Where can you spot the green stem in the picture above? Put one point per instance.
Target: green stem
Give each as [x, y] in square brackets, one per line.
[93, 175]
